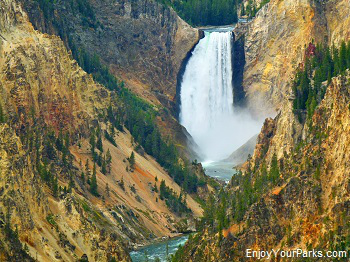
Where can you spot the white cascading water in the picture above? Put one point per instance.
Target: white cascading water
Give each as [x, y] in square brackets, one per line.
[207, 110]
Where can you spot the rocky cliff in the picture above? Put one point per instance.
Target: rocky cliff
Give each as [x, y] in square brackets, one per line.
[50, 108]
[275, 42]
[143, 42]
[41, 86]
[294, 191]
[309, 207]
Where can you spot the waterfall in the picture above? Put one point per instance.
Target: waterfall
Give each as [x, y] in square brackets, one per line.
[207, 110]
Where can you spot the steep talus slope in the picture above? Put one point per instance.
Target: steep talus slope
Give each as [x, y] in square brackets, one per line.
[51, 107]
[41, 85]
[36, 224]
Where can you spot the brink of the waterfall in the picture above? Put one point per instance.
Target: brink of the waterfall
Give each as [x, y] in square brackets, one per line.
[207, 110]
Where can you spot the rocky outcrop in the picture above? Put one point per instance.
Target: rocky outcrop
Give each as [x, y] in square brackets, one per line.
[274, 46]
[278, 136]
[275, 41]
[309, 207]
[43, 88]
[46, 208]
[312, 199]
[143, 42]
[336, 11]
[241, 155]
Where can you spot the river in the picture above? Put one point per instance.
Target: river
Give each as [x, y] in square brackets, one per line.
[158, 250]
[219, 170]
[209, 115]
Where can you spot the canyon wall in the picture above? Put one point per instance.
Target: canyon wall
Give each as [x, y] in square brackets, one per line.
[309, 207]
[142, 42]
[47, 209]
[274, 45]
[275, 41]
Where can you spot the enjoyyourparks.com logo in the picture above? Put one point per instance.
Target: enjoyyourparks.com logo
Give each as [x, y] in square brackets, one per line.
[296, 253]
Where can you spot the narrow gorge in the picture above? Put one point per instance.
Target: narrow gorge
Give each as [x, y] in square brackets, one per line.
[157, 131]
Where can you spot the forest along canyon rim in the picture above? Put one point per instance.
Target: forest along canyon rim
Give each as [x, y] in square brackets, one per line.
[207, 109]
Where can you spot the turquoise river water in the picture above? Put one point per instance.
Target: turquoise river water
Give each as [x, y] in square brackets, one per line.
[158, 250]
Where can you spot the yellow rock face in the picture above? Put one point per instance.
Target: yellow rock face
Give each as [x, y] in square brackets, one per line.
[275, 44]
[338, 18]
[39, 78]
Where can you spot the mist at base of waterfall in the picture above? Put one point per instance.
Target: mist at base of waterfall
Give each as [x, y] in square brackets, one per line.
[226, 135]
[207, 110]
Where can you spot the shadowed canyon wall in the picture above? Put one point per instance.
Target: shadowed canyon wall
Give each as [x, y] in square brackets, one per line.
[143, 42]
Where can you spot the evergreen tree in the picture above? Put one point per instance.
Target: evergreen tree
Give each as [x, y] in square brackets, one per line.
[108, 161]
[132, 160]
[162, 190]
[99, 144]
[209, 211]
[155, 143]
[2, 115]
[348, 55]
[337, 62]
[320, 65]
[104, 166]
[55, 187]
[83, 177]
[92, 143]
[242, 10]
[93, 183]
[274, 170]
[59, 141]
[66, 142]
[121, 184]
[342, 57]
[99, 159]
